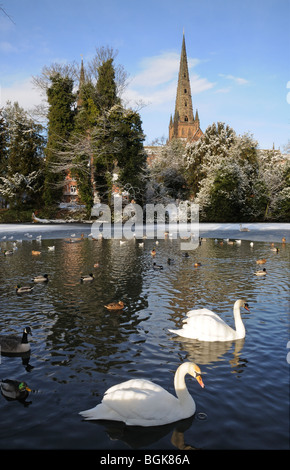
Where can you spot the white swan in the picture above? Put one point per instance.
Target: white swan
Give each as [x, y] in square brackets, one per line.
[205, 325]
[139, 402]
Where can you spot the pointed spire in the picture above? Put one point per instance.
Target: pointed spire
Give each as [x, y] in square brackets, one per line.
[184, 125]
[183, 103]
[81, 83]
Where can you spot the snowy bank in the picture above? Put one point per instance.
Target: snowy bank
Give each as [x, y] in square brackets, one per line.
[272, 232]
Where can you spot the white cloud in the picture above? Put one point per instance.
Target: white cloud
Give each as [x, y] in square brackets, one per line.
[23, 92]
[7, 47]
[238, 80]
[156, 83]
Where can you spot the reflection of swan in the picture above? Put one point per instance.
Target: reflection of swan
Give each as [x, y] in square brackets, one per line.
[139, 402]
[244, 229]
[205, 325]
[138, 437]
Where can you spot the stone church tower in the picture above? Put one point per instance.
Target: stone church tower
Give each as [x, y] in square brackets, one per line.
[184, 125]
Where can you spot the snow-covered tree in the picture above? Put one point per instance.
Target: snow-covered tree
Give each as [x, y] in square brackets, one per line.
[23, 156]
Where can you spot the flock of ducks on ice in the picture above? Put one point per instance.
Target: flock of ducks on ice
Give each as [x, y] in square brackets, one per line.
[140, 402]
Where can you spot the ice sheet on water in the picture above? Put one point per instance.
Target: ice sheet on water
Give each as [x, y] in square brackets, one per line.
[272, 232]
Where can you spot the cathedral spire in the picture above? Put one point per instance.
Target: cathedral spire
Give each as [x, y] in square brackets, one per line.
[184, 125]
[81, 83]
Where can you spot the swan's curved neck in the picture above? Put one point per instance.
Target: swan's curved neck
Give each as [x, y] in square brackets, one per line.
[179, 384]
[240, 328]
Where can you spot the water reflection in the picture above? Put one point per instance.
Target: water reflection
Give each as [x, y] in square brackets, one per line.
[138, 437]
[205, 352]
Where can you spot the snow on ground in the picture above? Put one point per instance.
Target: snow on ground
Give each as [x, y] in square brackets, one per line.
[272, 232]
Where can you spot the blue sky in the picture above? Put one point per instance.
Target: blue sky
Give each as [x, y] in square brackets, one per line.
[238, 53]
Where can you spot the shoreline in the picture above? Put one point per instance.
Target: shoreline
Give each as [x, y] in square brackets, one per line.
[272, 232]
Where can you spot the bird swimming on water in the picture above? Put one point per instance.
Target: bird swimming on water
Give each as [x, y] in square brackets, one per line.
[15, 344]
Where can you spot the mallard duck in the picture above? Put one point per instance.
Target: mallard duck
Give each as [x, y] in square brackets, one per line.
[14, 390]
[157, 266]
[140, 402]
[261, 273]
[115, 305]
[14, 344]
[170, 261]
[41, 278]
[276, 250]
[261, 261]
[87, 277]
[8, 252]
[23, 289]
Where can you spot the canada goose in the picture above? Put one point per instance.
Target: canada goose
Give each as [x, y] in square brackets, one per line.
[14, 344]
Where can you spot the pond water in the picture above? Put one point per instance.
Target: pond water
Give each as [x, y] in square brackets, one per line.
[79, 349]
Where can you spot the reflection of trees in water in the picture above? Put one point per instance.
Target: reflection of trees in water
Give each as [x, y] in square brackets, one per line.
[83, 327]
[225, 275]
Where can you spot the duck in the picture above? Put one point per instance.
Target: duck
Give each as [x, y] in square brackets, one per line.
[157, 266]
[283, 240]
[251, 244]
[51, 248]
[8, 252]
[140, 402]
[153, 252]
[196, 265]
[14, 344]
[96, 265]
[23, 289]
[35, 253]
[41, 278]
[14, 390]
[276, 250]
[170, 261]
[261, 273]
[87, 277]
[115, 305]
[261, 261]
[244, 229]
[205, 325]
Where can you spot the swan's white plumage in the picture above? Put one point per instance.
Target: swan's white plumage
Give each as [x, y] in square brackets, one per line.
[205, 325]
[140, 402]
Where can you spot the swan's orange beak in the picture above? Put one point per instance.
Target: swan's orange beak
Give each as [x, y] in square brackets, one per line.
[199, 379]
[246, 306]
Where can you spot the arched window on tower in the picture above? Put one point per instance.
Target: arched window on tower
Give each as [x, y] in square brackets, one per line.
[185, 103]
[185, 90]
[185, 118]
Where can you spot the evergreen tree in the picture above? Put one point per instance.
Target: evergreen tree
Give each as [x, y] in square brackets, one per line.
[24, 156]
[3, 149]
[60, 125]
